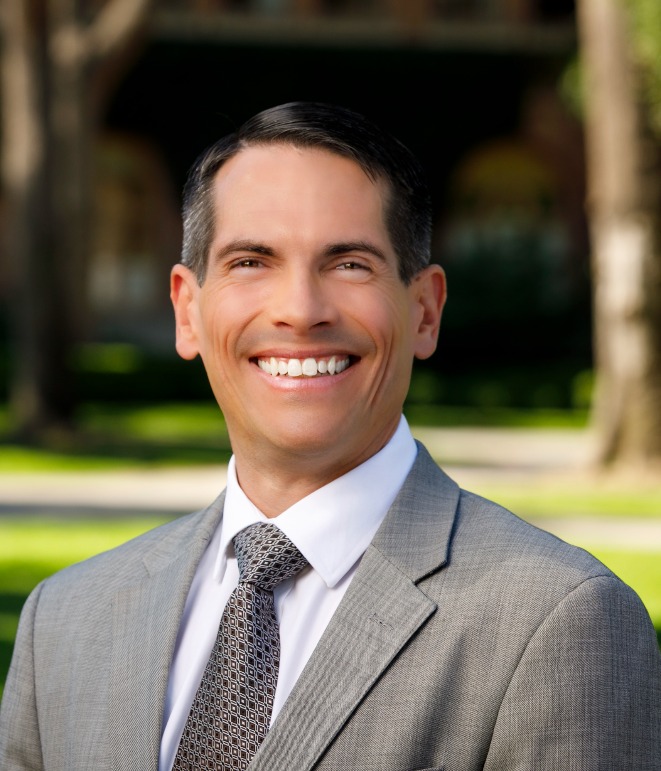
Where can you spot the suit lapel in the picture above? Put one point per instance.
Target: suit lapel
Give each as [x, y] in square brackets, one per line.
[382, 609]
[145, 621]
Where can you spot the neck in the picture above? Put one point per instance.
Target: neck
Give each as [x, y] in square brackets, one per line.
[274, 490]
[275, 486]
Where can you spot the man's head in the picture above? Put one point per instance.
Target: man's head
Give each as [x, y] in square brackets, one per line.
[298, 308]
[339, 131]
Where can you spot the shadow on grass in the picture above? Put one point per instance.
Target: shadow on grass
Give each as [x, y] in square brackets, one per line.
[178, 433]
[116, 435]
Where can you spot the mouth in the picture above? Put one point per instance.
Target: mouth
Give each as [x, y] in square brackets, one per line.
[324, 366]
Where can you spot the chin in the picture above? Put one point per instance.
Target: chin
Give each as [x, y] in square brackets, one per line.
[307, 442]
[307, 446]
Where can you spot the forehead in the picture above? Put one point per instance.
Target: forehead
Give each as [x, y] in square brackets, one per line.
[282, 177]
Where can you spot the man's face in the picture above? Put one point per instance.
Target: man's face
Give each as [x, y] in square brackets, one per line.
[305, 329]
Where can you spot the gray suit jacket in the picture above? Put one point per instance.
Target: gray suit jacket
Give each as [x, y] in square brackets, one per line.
[468, 639]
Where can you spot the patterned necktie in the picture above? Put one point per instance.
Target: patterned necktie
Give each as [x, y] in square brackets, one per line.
[231, 711]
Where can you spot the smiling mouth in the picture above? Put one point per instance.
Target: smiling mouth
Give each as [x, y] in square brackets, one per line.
[309, 367]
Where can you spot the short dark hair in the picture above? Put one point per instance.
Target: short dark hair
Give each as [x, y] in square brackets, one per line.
[338, 130]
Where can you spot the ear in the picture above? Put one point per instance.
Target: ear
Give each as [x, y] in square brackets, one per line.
[184, 290]
[429, 293]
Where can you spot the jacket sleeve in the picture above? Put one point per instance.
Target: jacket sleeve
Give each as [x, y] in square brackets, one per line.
[586, 695]
[20, 746]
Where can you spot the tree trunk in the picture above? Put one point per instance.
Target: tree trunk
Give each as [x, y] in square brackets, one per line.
[40, 392]
[624, 211]
[48, 128]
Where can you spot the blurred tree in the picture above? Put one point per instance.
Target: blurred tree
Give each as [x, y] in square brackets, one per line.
[620, 43]
[58, 61]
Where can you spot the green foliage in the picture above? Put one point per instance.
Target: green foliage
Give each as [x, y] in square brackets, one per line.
[645, 19]
[543, 387]
[116, 358]
[571, 87]
[646, 26]
[440, 416]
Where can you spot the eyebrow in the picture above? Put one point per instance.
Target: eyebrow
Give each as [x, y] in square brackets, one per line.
[354, 246]
[243, 245]
[332, 250]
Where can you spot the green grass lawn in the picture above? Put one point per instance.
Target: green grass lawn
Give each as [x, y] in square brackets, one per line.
[574, 499]
[33, 550]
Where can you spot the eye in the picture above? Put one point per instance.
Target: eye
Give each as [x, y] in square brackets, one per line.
[352, 269]
[247, 262]
[352, 265]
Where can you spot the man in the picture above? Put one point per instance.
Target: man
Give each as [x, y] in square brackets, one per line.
[430, 628]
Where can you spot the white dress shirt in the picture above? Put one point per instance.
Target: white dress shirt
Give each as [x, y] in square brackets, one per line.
[332, 527]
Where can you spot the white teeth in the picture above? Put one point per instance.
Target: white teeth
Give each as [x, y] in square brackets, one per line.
[308, 367]
[294, 368]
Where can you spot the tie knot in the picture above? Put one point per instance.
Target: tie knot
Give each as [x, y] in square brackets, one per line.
[266, 556]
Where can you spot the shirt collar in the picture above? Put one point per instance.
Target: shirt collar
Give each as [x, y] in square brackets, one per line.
[333, 525]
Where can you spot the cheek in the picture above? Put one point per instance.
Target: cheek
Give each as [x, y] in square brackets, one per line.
[389, 324]
[224, 317]
[390, 331]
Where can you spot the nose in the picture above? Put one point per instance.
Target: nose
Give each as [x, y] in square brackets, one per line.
[302, 300]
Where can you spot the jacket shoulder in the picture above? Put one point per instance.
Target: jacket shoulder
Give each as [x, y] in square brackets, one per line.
[487, 533]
